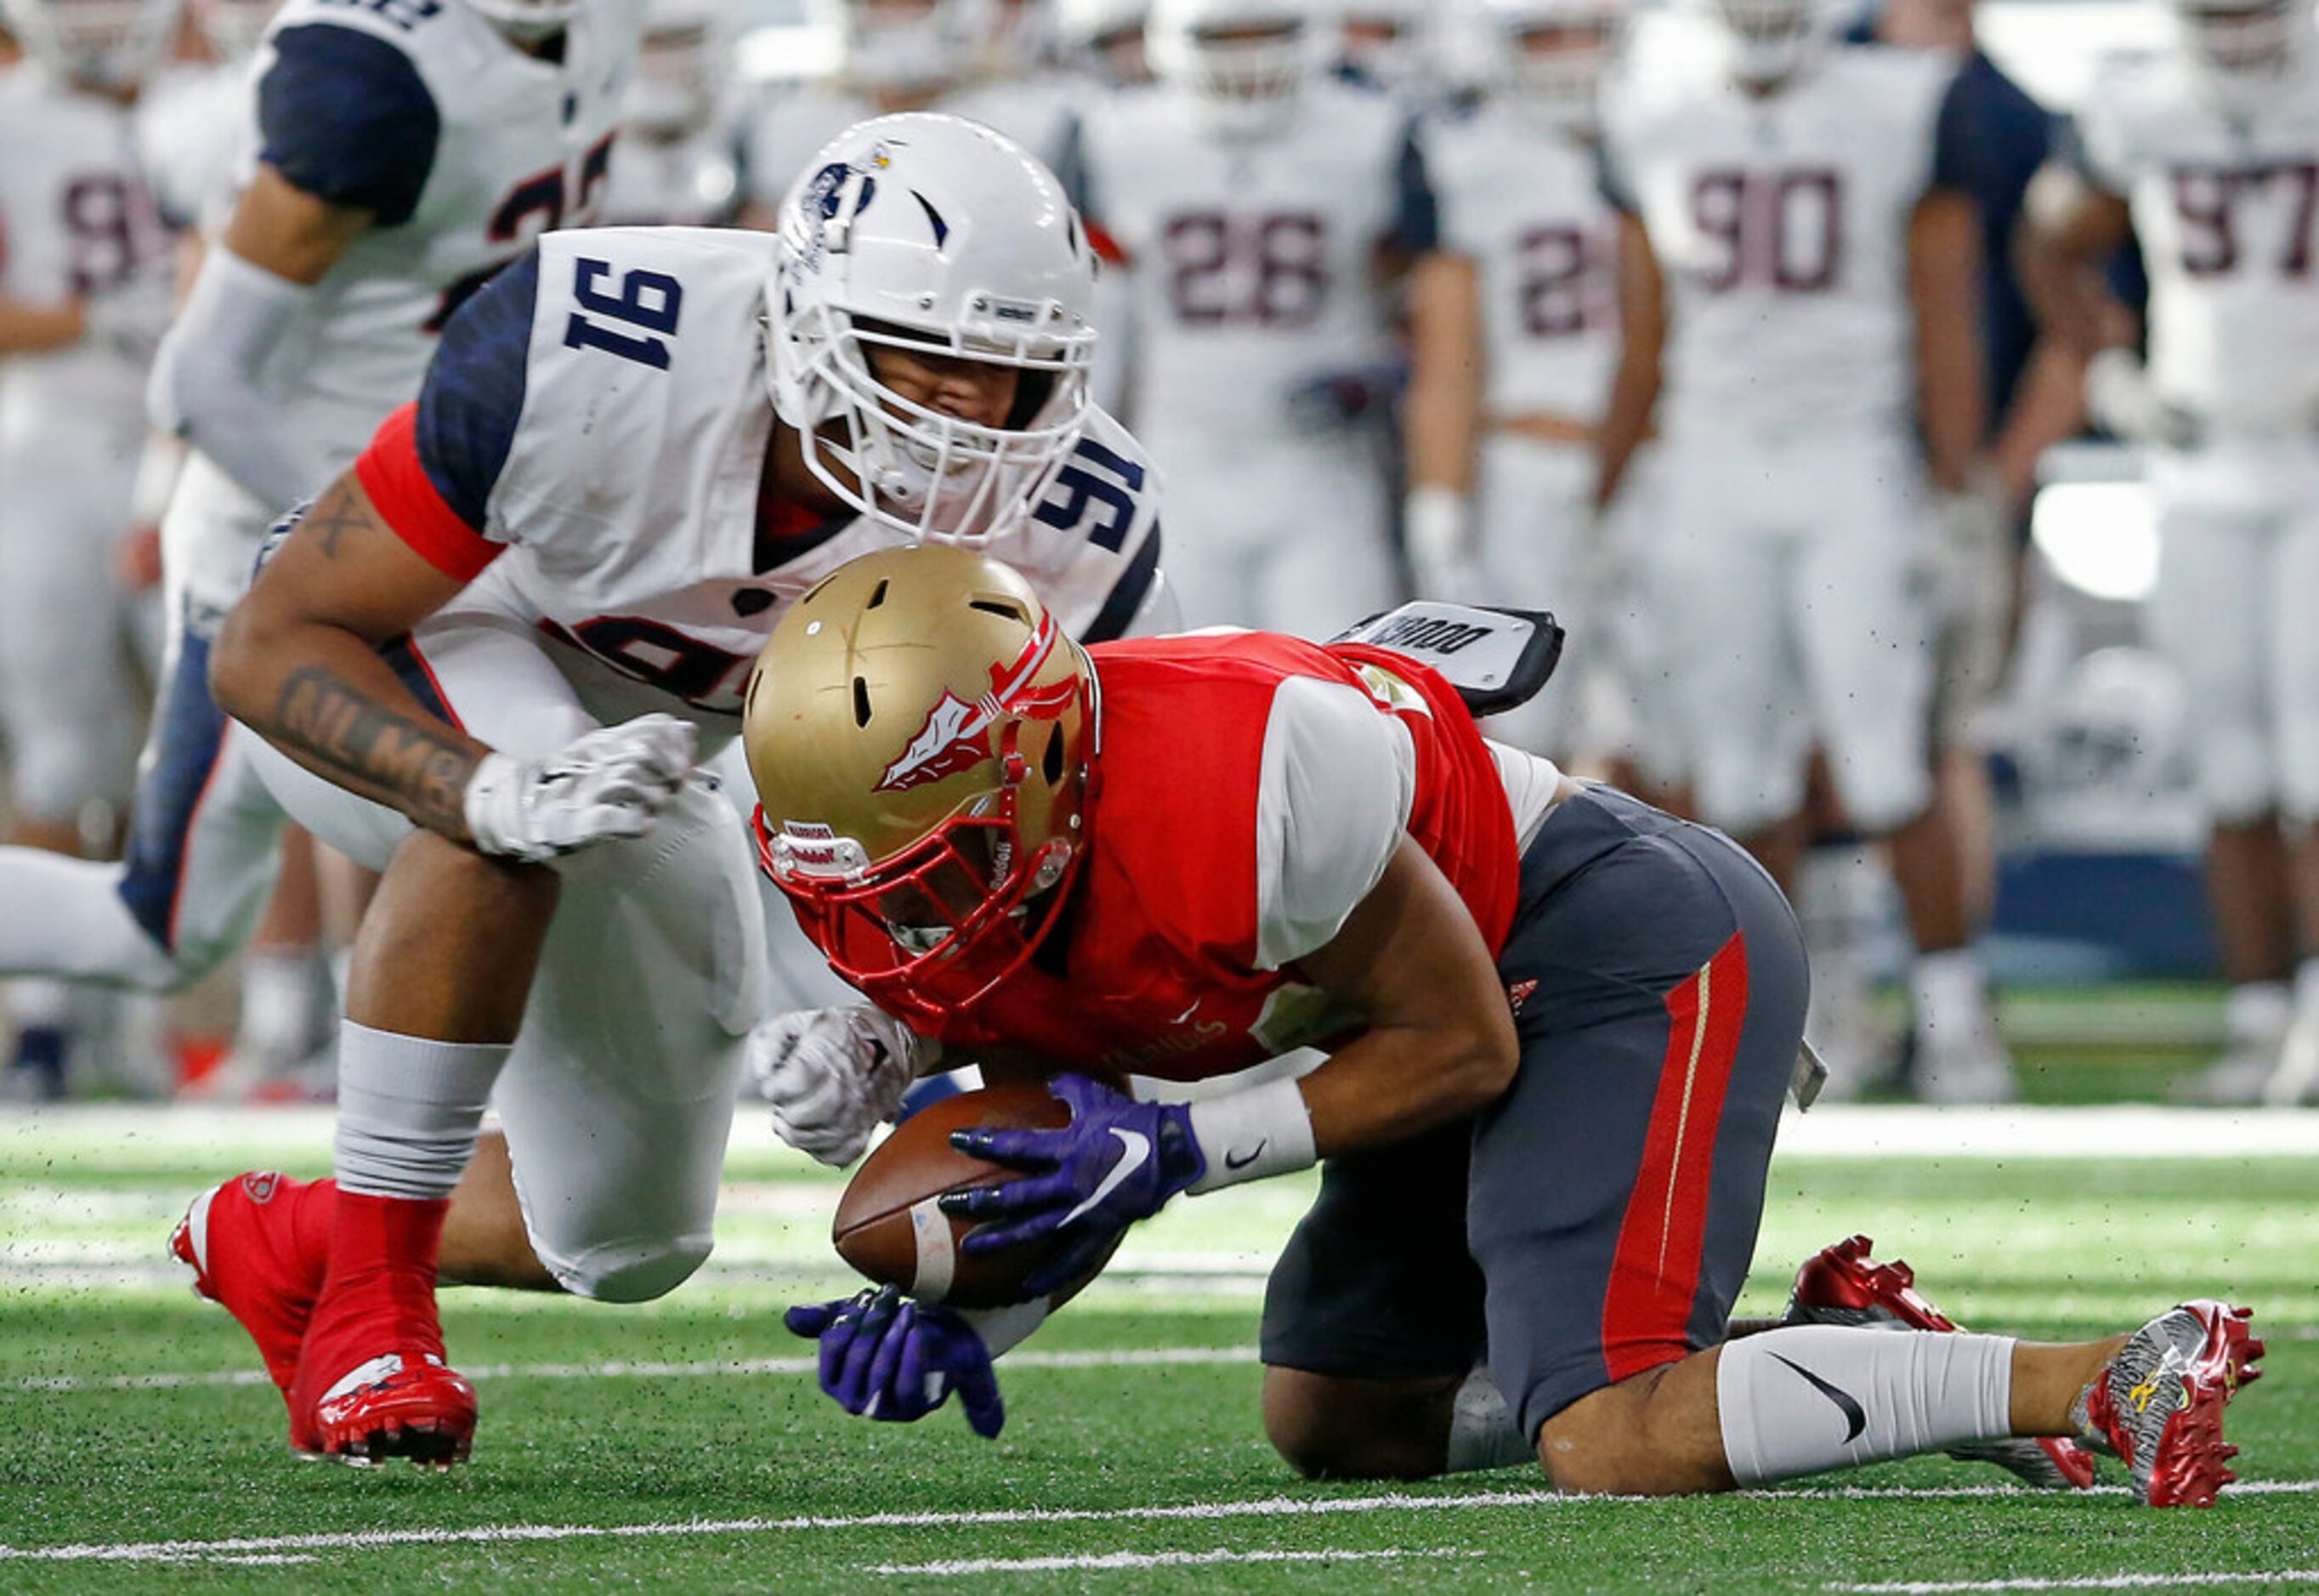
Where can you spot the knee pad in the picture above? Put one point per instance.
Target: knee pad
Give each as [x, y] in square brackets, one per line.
[2237, 779]
[1882, 796]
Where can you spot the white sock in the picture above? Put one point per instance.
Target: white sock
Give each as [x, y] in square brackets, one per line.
[65, 917]
[2306, 987]
[277, 1002]
[1951, 993]
[408, 1110]
[1483, 1433]
[2256, 1014]
[1814, 1397]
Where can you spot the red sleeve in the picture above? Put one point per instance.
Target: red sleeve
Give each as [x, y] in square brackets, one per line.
[389, 472]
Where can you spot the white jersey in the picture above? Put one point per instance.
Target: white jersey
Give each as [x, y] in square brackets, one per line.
[786, 129]
[693, 181]
[590, 452]
[77, 222]
[521, 145]
[1524, 202]
[191, 131]
[1780, 223]
[787, 126]
[2223, 206]
[1251, 262]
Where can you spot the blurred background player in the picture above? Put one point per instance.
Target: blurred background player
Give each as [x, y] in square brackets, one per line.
[1800, 246]
[2034, 402]
[911, 55]
[85, 282]
[678, 158]
[1260, 207]
[2208, 155]
[1514, 329]
[1393, 45]
[1102, 41]
[395, 159]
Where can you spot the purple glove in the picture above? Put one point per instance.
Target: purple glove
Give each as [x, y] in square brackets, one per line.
[1117, 1161]
[885, 1357]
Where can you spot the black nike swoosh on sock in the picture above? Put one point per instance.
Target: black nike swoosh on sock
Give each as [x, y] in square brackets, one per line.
[1854, 1414]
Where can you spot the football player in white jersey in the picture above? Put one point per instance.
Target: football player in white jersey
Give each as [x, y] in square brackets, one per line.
[1103, 40]
[2208, 154]
[1799, 250]
[677, 161]
[488, 659]
[190, 125]
[84, 277]
[395, 156]
[1254, 200]
[901, 55]
[1513, 332]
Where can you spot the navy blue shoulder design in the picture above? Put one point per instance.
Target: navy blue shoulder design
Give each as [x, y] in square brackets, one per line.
[1956, 148]
[473, 396]
[346, 117]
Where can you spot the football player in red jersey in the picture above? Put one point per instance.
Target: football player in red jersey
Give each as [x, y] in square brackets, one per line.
[1560, 1027]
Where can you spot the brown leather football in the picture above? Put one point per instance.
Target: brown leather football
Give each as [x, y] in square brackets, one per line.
[888, 1225]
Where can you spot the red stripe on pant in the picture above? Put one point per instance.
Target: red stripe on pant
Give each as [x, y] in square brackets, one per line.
[1654, 1273]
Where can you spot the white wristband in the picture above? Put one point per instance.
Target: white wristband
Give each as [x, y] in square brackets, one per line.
[1003, 1330]
[1249, 1135]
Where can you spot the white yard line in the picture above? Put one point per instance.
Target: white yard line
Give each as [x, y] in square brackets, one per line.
[2092, 1582]
[1109, 1560]
[1270, 1507]
[1124, 1358]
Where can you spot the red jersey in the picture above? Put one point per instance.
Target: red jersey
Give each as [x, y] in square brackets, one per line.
[1250, 789]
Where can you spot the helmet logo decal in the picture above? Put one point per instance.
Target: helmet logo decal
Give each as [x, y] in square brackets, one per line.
[934, 219]
[956, 736]
[839, 193]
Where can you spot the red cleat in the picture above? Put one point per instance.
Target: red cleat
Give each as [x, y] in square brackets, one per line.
[1842, 1284]
[400, 1405]
[2158, 1405]
[370, 1382]
[249, 1255]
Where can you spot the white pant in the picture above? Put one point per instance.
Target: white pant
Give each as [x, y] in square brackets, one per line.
[1286, 534]
[1789, 581]
[69, 701]
[204, 833]
[2238, 577]
[621, 1091]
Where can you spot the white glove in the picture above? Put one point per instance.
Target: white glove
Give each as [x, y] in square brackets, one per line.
[1975, 571]
[2120, 397]
[834, 1075]
[611, 783]
[1438, 525]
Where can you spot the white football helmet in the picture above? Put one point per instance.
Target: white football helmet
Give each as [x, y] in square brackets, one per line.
[901, 45]
[1104, 36]
[233, 27]
[1553, 55]
[684, 66]
[1389, 42]
[527, 22]
[2242, 45]
[1246, 62]
[1772, 41]
[104, 43]
[930, 232]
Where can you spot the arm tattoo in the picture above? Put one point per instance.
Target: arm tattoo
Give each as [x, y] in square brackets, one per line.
[372, 750]
[331, 519]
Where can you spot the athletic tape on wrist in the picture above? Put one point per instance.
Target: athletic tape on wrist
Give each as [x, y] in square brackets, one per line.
[1250, 1134]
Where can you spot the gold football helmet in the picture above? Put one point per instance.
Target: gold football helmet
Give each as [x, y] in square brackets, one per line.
[922, 736]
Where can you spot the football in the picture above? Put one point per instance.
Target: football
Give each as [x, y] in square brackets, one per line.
[888, 1227]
